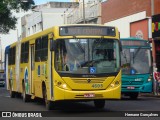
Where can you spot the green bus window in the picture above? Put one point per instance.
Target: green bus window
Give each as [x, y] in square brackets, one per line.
[14, 55]
[10, 56]
[24, 52]
[37, 50]
[44, 50]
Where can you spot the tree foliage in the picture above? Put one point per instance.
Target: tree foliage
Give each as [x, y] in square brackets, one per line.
[7, 20]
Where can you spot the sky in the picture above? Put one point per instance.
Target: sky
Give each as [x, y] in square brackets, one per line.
[45, 1]
[12, 36]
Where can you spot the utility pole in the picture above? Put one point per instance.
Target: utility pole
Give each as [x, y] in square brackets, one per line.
[84, 21]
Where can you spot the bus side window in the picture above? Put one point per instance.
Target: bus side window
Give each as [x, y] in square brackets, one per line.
[44, 49]
[37, 50]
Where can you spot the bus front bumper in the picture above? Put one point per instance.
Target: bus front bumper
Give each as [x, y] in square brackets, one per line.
[111, 93]
[145, 88]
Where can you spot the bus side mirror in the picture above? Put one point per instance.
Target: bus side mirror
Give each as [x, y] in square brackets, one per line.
[52, 45]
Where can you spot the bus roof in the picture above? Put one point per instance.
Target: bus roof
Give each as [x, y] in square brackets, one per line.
[49, 30]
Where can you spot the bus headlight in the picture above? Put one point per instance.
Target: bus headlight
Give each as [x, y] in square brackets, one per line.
[112, 85]
[149, 79]
[64, 86]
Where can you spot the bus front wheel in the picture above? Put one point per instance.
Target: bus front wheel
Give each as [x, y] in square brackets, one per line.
[48, 103]
[12, 93]
[99, 103]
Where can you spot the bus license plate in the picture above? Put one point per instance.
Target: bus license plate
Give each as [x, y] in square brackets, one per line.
[89, 95]
[130, 87]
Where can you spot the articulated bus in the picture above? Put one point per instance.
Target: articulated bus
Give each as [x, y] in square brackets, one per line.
[136, 67]
[66, 63]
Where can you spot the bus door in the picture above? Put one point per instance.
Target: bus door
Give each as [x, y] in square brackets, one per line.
[32, 66]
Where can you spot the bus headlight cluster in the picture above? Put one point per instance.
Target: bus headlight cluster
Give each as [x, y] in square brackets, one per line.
[61, 85]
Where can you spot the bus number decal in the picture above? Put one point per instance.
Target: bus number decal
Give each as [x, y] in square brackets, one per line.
[97, 85]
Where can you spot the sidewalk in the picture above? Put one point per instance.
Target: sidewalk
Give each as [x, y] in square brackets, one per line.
[149, 95]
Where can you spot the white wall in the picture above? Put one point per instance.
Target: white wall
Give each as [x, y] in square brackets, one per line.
[54, 17]
[123, 24]
[51, 17]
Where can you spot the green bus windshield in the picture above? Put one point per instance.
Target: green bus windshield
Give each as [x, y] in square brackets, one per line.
[136, 59]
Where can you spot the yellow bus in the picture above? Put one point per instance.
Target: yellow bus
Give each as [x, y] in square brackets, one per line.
[66, 63]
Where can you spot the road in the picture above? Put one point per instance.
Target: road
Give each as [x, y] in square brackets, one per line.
[126, 105]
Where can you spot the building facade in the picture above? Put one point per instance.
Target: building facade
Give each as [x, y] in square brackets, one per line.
[45, 16]
[88, 11]
[132, 18]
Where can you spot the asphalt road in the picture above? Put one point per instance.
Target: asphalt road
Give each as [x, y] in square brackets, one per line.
[115, 107]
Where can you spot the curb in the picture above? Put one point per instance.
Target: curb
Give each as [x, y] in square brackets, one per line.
[149, 95]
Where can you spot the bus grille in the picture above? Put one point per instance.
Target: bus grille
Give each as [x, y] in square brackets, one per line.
[88, 80]
[132, 82]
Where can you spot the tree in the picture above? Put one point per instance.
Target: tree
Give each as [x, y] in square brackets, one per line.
[7, 20]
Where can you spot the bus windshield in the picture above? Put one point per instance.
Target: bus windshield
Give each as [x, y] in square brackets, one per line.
[87, 56]
[136, 60]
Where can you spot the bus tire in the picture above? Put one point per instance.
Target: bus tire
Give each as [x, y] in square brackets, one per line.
[99, 103]
[12, 93]
[134, 96]
[25, 97]
[48, 103]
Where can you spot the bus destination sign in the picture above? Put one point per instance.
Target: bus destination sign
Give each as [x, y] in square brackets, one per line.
[87, 30]
[134, 43]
